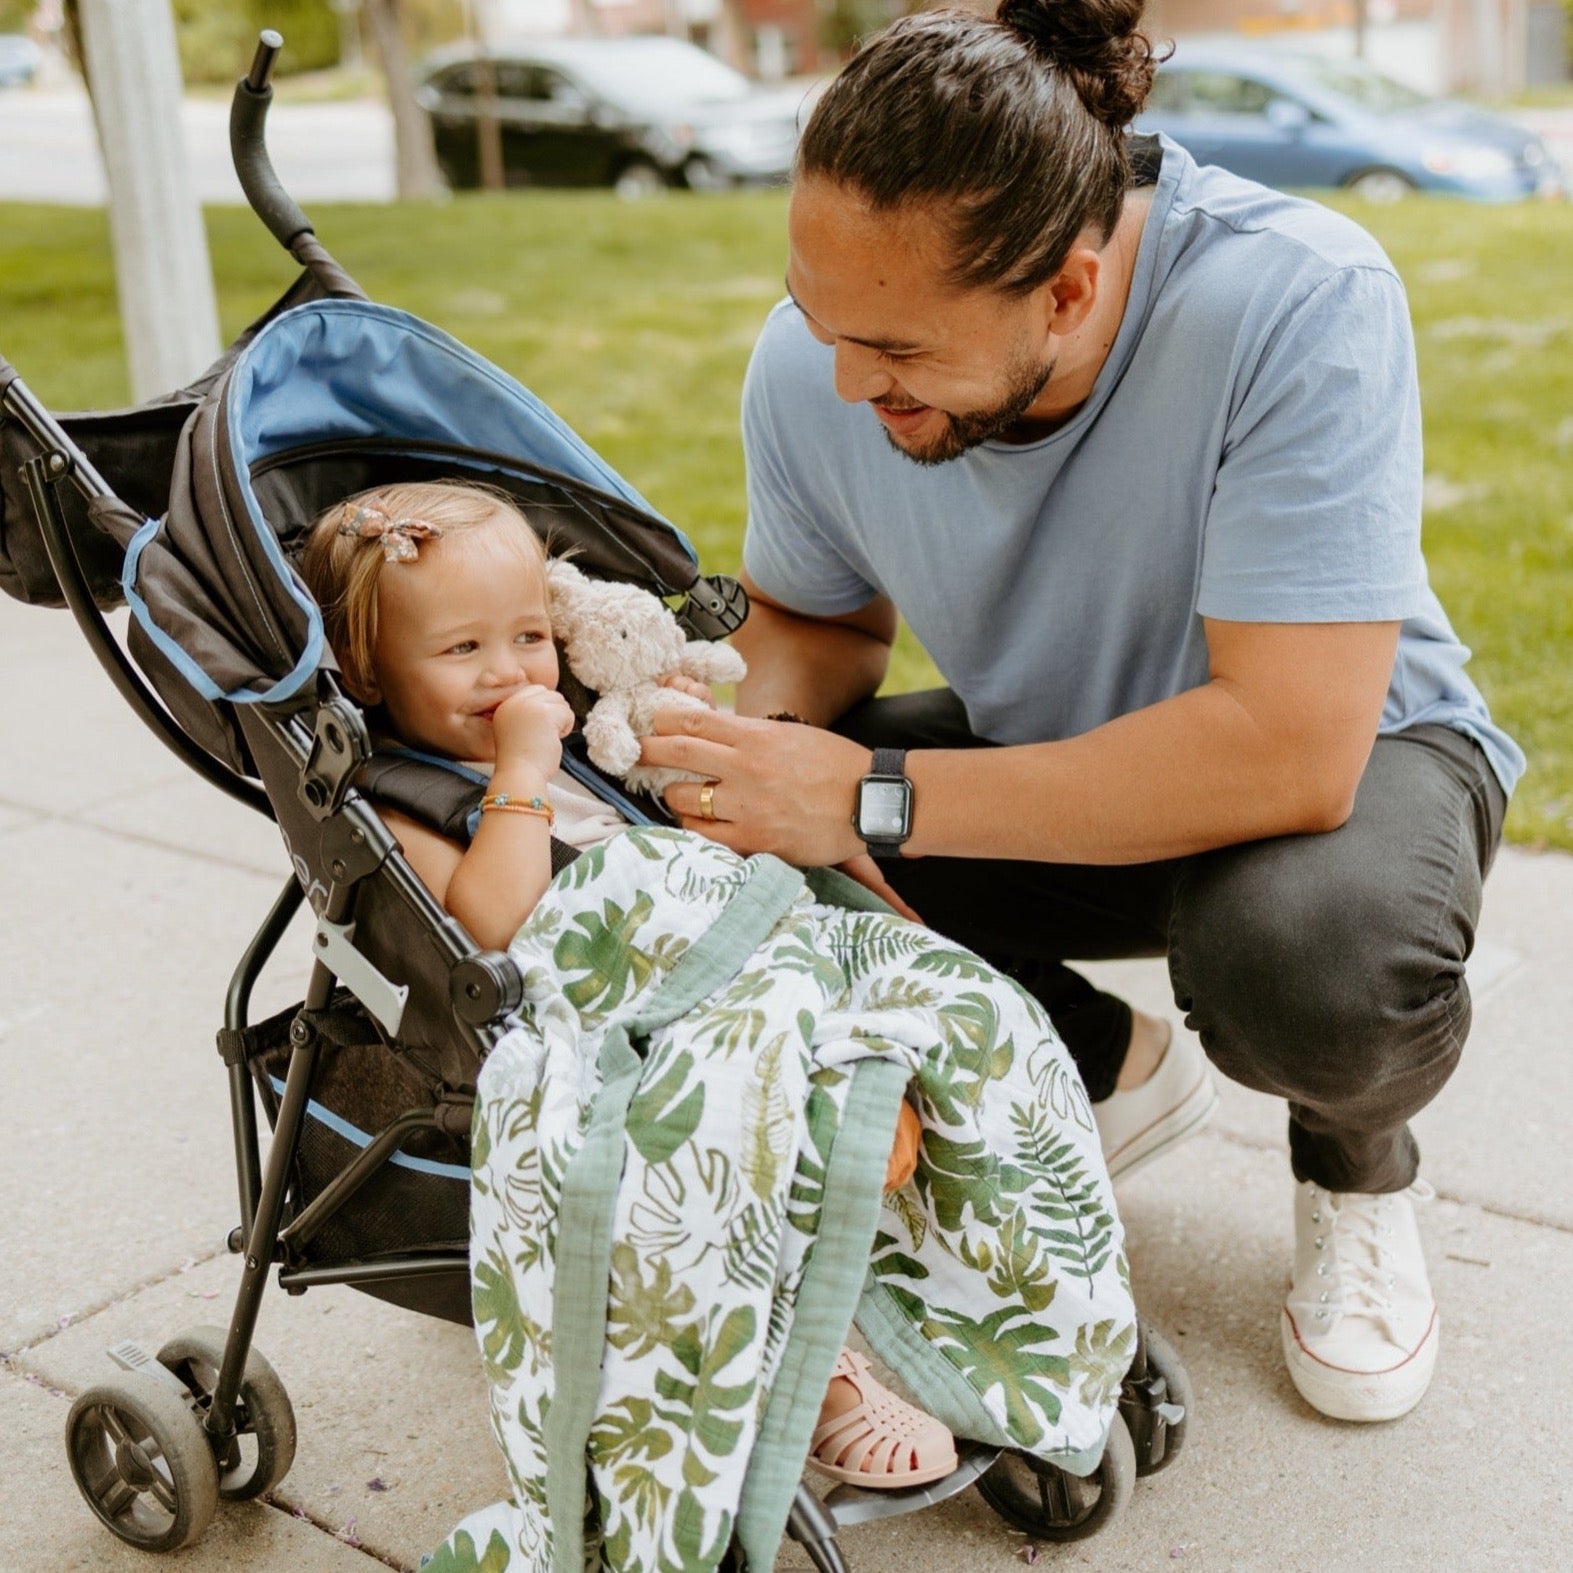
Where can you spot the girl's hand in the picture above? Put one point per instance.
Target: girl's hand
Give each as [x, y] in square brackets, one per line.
[689, 685]
[529, 727]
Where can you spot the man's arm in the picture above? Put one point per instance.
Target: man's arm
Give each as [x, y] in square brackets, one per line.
[1273, 744]
[815, 667]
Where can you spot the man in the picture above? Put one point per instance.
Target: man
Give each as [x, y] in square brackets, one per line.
[1135, 449]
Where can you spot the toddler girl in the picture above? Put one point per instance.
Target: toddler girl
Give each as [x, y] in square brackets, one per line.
[434, 602]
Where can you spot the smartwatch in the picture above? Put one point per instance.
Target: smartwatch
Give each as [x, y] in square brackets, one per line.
[883, 815]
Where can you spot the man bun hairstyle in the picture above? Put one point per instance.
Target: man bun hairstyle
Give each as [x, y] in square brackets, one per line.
[1015, 124]
[1096, 44]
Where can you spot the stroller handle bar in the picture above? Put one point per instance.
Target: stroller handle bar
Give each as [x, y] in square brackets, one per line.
[248, 146]
[269, 43]
[63, 460]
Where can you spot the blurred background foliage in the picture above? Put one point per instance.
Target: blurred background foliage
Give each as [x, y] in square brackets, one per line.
[214, 34]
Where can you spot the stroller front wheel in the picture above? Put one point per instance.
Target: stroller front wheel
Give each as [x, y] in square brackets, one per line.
[1046, 1502]
[142, 1462]
[263, 1447]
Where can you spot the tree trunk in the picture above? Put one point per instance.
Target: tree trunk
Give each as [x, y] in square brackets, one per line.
[415, 164]
[168, 311]
[729, 37]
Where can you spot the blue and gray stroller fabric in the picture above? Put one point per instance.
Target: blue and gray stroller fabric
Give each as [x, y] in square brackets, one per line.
[678, 1160]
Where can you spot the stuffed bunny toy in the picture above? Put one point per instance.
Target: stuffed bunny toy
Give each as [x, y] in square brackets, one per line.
[620, 641]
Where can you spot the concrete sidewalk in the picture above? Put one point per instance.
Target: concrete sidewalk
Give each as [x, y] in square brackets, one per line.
[130, 889]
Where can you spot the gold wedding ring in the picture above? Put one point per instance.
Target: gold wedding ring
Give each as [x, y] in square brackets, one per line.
[707, 801]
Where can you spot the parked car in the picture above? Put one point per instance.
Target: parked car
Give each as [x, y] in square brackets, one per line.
[19, 58]
[638, 114]
[1300, 120]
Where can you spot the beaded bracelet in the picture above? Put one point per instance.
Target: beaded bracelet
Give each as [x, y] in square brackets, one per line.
[538, 806]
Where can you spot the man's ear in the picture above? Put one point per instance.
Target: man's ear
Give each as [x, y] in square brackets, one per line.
[1066, 299]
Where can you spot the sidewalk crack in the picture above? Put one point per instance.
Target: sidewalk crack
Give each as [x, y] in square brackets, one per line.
[41, 816]
[1457, 1197]
[9, 1357]
[343, 1534]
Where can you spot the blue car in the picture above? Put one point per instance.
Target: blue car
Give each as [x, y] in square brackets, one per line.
[1295, 120]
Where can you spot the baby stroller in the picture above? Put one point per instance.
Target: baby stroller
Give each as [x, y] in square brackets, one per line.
[188, 510]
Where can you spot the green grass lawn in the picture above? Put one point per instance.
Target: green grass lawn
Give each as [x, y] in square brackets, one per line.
[636, 323]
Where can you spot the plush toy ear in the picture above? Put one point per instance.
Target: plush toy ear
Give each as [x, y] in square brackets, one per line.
[566, 593]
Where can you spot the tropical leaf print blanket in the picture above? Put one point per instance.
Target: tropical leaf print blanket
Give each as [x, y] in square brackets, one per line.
[678, 1208]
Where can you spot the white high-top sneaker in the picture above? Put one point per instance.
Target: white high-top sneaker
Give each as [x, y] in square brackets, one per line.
[1360, 1327]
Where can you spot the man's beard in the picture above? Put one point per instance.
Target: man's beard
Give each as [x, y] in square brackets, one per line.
[966, 431]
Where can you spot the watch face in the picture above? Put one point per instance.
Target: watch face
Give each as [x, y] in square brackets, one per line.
[885, 810]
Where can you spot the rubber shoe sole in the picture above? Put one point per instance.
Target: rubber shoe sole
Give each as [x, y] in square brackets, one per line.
[1360, 1395]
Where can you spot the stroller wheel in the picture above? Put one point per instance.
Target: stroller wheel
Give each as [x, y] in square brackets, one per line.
[1163, 1360]
[1043, 1501]
[263, 1447]
[142, 1462]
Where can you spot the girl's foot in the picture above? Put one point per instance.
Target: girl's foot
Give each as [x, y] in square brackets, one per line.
[869, 1437]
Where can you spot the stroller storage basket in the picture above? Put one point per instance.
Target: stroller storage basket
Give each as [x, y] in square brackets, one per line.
[419, 1201]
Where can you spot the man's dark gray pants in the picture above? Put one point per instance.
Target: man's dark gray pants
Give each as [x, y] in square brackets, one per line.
[1325, 969]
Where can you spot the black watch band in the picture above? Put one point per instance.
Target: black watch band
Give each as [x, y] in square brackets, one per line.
[889, 766]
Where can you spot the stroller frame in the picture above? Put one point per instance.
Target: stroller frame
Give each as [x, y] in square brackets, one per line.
[192, 1405]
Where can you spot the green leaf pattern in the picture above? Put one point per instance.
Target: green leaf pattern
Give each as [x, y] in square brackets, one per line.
[1003, 1253]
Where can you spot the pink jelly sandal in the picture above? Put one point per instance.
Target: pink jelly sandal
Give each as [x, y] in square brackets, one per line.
[882, 1443]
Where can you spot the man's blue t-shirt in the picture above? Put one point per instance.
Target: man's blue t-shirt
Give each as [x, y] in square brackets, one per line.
[1250, 452]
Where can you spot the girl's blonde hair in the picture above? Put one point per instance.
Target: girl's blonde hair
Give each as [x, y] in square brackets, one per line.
[343, 569]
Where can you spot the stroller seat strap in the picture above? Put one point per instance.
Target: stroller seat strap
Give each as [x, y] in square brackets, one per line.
[438, 793]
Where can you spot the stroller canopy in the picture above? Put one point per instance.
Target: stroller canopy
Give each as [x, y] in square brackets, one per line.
[353, 371]
[328, 399]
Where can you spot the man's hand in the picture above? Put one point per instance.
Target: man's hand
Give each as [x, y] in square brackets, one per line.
[691, 686]
[778, 786]
[867, 873]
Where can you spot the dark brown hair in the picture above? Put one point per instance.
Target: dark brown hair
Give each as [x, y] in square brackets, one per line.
[1015, 124]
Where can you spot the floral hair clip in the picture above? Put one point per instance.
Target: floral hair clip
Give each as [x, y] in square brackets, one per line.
[399, 537]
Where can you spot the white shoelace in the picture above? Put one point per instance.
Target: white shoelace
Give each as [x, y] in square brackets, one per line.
[1354, 1236]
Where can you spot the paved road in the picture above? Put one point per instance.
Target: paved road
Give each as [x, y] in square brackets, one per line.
[323, 152]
